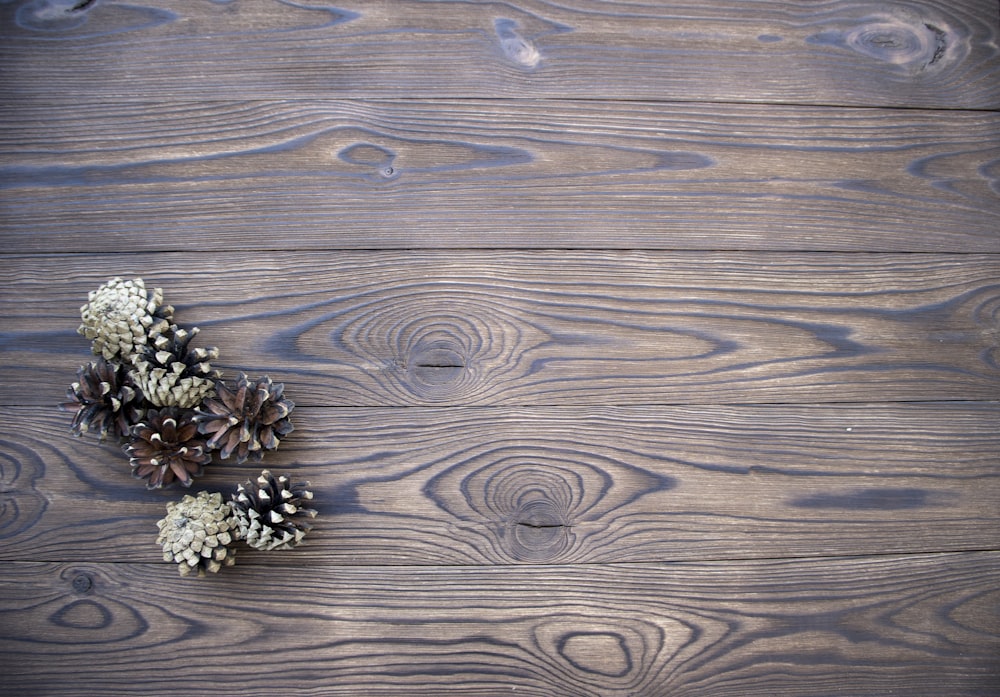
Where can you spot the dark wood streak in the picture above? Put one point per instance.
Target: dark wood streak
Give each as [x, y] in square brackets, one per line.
[489, 328]
[557, 485]
[918, 624]
[932, 54]
[324, 174]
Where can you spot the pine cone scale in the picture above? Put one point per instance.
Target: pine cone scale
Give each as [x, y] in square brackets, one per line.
[267, 438]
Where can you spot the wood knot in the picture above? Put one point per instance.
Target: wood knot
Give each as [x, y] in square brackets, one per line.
[440, 363]
[82, 583]
[901, 38]
[53, 15]
[437, 366]
[536, 504]
[516, 47]
[537, 531]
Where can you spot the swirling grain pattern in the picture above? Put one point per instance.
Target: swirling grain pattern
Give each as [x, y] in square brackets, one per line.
[935, 53]
[640, 349]
[518, 328]
[559, 485]
[323, 174]
[920, 625]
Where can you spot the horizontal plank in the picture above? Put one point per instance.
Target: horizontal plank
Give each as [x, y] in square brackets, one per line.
[519, 328]
[922, 625]
[321, 174]
[936, 53]
[546, 485]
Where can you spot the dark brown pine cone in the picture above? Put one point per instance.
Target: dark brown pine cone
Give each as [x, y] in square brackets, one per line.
[165, 448]
[247, 420]
[271, 512]
[104, 400]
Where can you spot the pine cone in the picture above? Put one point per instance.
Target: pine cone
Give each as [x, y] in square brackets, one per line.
[246, 420]
[121, 315]
[165, 448]
[270, 513]
[197, 532]
[105, 400]
[171, 374]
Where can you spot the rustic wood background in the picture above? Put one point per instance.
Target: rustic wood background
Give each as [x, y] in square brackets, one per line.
[639, 348]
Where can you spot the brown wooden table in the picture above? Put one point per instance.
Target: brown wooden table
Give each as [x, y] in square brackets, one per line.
[638, 348]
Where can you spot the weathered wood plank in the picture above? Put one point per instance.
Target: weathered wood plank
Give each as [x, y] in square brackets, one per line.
[300, 175]
[932, 54]
[922, 625]
[489, 328]
[556, 485]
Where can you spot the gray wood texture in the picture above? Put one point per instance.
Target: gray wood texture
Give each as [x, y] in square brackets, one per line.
[925, 54]
[563, 485]
[919, 624]
[491, 173]
[639, 349]
[514, 327]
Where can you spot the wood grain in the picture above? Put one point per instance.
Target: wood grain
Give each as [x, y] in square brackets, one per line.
[518, 328]
[916, 625]
[488, 174]
[640, 349]
[930, 54]
[550, 485]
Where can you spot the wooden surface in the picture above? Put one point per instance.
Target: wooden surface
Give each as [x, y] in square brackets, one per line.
[308, 174]
[921, 624]
[570, 485]
[908, 54]
[568, 327]
[639, 349]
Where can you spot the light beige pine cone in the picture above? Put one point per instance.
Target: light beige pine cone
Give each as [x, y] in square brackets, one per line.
[196, 534]
[120, 316]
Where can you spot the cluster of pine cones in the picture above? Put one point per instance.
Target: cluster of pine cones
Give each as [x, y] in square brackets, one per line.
[171, 411]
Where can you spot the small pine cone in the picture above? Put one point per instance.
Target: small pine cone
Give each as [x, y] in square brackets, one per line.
[104, 400]
[197, 532]
[171, 374]
[246, 420]
[270, 513]
[165, 448]
[120, 316]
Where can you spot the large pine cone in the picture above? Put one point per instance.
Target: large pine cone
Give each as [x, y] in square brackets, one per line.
[171, 374]
[120, 316]
[246, 420]
[165, 448]
[196, 534]
[271, 512]
[104, 400]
